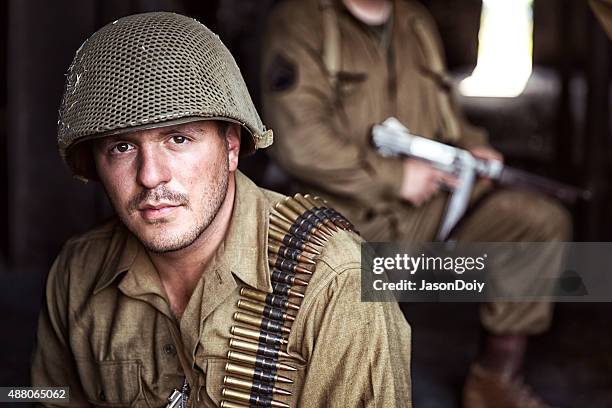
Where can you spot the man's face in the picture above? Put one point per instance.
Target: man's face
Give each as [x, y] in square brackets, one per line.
[167, 184]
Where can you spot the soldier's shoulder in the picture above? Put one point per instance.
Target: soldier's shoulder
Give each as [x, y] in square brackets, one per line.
[295, 16]
[94, 239]
[295, 9]
[410, 10]
[337, 276]
[413, 7]
[342, 251]
[84, 256]
[272, 197]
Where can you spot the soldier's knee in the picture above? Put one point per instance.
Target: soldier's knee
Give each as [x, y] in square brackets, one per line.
[551, 220]
[546, 219]
[559, 225]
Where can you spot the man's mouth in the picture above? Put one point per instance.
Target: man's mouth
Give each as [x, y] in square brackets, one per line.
[152, 212]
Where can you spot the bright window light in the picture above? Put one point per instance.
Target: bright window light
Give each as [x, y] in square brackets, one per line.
[504, 50]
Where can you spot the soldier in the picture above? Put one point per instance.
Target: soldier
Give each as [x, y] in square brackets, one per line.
[331, 70]
[228, 294]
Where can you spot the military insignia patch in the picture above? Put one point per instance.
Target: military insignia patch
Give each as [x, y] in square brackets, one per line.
[282, 74]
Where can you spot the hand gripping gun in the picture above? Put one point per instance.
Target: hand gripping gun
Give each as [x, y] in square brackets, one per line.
[391, 138]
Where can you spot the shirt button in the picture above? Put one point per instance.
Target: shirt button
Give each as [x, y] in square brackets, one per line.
[169, 349]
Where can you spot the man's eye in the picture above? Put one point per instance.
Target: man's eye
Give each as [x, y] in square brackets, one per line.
[179, 139]
[121, 148]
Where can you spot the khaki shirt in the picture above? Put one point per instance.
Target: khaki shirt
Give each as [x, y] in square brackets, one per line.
[106, 329]
[322, 132]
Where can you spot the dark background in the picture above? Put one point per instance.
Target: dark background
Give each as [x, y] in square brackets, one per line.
[558, 127]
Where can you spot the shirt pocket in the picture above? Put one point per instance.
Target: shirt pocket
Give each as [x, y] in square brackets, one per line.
[112, 383]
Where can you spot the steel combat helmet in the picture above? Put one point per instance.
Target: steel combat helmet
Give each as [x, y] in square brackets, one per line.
[151, 70]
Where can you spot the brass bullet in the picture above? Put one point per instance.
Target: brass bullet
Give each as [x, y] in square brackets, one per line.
[258, 348]
[289, 253]
[287, 277]
[306, 211]
[291, 241]
[259, 361]
[286, 211]
[308, 234]
[312, 248]
[253, 399]
[301, 217]
[256, 373]
[332, 211]
[311, 207]
[253, 386]
[271, 312]
[294, 231]
[313, 230]
[289, 265]
[268, 298]
[335, 216]
[319, 222]
[285, 290]
[280, 222]
[261, 322]
[257, 335]
[296, 204]
[330, 217]
[315, 203]
[229, 404]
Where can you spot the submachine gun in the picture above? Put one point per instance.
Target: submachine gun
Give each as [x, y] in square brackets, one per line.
[391, 138]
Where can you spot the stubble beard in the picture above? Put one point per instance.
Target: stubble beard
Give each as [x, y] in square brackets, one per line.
[163, 242]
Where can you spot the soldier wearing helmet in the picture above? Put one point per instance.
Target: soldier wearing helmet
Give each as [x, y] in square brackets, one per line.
[331, 70]
[205, 290]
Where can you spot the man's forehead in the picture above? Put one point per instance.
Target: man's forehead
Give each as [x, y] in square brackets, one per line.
[191, 128]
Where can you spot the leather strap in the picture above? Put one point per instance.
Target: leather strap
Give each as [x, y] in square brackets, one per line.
[331, 41]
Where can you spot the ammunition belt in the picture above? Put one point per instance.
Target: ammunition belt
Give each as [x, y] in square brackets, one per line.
[299, 228]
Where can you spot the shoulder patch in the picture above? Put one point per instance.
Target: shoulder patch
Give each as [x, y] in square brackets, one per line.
[282, 74]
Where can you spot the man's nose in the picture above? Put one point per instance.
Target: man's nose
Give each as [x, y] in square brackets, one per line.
[153, 168]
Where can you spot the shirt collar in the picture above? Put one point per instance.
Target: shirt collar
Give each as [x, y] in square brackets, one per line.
[246, 243]
[120, 257]
[244, 250]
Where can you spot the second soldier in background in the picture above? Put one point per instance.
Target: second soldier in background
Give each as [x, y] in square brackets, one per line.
[331, 70]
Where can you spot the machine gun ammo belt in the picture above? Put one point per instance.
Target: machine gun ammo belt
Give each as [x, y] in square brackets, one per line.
[255, 376]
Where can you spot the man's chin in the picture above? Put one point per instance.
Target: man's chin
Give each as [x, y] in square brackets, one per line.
[162, 238]
[165, 245]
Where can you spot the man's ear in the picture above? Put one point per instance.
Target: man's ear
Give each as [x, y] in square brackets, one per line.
[232, 138]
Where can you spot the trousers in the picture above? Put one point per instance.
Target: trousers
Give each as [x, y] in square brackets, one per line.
[494, 216]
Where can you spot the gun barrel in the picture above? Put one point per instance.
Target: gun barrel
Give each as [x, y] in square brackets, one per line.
[564, 192]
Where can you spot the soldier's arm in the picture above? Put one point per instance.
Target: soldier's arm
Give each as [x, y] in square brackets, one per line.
[298, 105]
[358, 352]
[603, 12]
[52, 362]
